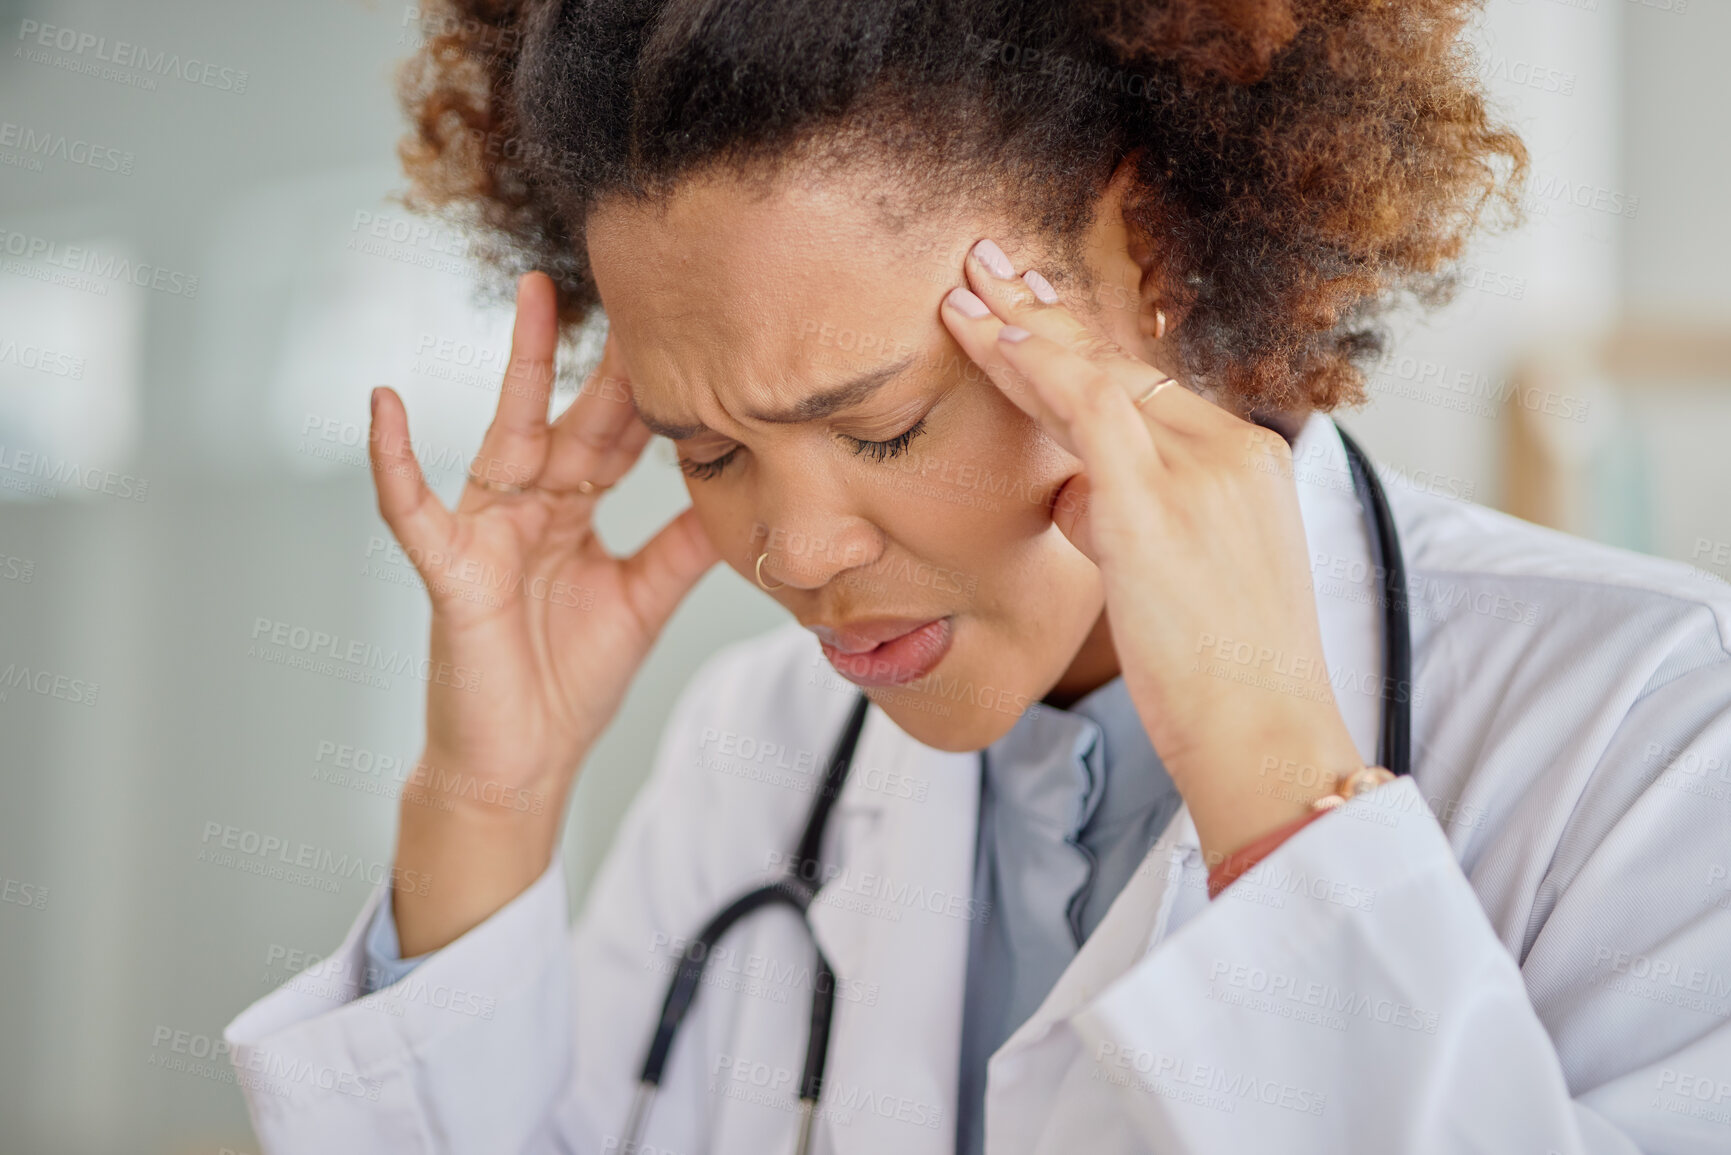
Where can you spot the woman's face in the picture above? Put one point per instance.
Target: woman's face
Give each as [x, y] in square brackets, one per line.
[791, 347]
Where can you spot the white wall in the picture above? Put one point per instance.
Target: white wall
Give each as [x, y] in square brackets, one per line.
[1554, 73]
[1677, 148]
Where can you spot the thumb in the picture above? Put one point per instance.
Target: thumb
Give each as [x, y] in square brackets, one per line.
[1070, 514]
[662, 572]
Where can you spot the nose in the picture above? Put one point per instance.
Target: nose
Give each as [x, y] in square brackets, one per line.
[810, 521]
[808, 552]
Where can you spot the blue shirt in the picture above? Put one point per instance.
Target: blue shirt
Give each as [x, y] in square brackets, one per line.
[1070, 802]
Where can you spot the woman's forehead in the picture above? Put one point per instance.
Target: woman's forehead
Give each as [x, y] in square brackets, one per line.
[797, 232]
[767, 298]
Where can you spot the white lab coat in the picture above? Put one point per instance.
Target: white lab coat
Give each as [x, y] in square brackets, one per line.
[1525, 947]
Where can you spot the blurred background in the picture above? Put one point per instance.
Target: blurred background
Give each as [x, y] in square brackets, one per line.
[202, 275]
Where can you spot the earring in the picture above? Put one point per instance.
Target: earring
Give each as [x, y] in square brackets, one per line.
[1159, 324]
[760, 582]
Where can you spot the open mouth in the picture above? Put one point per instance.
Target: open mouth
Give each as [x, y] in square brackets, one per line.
[898, 660]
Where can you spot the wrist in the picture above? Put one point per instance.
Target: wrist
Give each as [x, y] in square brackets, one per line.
[440, 783]
[470, 866]
[1263, 778]
[1230, 868]
[1245, 858]
[470, 856]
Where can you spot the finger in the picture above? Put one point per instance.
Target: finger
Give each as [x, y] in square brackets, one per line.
[418, 520]
[598, 437]
[1030, 302]
[662, 572]
[1115, 445]
[515, 447]
[975, 329]
[1052, 384]
[1176, 407]
[1090, 359]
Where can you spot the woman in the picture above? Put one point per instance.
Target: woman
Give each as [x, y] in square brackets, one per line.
[904, 283]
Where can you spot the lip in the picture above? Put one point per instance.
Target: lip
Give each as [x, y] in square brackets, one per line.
[886, 651]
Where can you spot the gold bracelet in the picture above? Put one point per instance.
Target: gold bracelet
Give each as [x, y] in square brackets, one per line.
[1360, 780]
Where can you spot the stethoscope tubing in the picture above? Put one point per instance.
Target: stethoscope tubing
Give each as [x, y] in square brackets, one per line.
[795, 890]
[1394, 742]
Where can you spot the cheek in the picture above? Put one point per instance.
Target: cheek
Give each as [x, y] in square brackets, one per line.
[727, 521]
[979, 500]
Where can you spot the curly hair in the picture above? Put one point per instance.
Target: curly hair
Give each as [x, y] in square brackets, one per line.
[1300, 165]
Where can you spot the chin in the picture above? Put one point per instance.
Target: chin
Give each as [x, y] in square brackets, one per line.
[974, 696]
[942, 722]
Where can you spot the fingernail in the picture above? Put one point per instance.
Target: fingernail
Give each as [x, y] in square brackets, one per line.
[1013, 333]
[964, 302]
[375, 401]
[994, 259]
[1042, 287]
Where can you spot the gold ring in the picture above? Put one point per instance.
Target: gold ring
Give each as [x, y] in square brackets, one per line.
[588, 487]
[1155, 388]
[760, 558]
[499, 486]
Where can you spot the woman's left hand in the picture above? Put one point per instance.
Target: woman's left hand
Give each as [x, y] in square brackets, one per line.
[1192, 515]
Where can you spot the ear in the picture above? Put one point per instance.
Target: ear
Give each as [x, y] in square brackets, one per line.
[1122, 259]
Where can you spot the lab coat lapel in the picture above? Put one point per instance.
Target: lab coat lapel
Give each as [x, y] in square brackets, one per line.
[1027, 1070]
[894, 923]
[1350, 605]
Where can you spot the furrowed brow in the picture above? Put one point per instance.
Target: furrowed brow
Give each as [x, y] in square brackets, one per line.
[666, 429]
[819, 405]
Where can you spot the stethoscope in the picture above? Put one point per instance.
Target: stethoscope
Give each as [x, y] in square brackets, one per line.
[795, 890]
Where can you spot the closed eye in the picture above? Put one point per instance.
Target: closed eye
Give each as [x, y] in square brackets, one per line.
[894, 447]
[876, 450]
[704, 470]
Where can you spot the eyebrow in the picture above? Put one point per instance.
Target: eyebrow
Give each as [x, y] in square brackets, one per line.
[818, 405]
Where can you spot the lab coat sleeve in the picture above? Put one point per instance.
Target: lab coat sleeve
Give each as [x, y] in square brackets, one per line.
[1351, 994]
[466, 1053]
[475, 1049]
[1346, 995]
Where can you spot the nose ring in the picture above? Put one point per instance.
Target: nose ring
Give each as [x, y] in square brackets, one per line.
[760, 558]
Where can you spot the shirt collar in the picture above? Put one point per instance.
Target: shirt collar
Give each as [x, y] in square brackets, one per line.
[1056, 768]
[1045, 770]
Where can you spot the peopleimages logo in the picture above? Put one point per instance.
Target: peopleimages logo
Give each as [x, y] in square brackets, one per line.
[92, 50]
[358, 655]
[53, 472]
[40, 145]
[274, 850]
[41, 359]
[93, 263]
[48, 684]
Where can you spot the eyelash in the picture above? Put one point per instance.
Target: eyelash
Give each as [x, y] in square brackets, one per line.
[894, 447]
[876, 450]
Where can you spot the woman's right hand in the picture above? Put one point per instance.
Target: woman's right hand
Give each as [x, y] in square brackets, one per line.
[537, 630]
